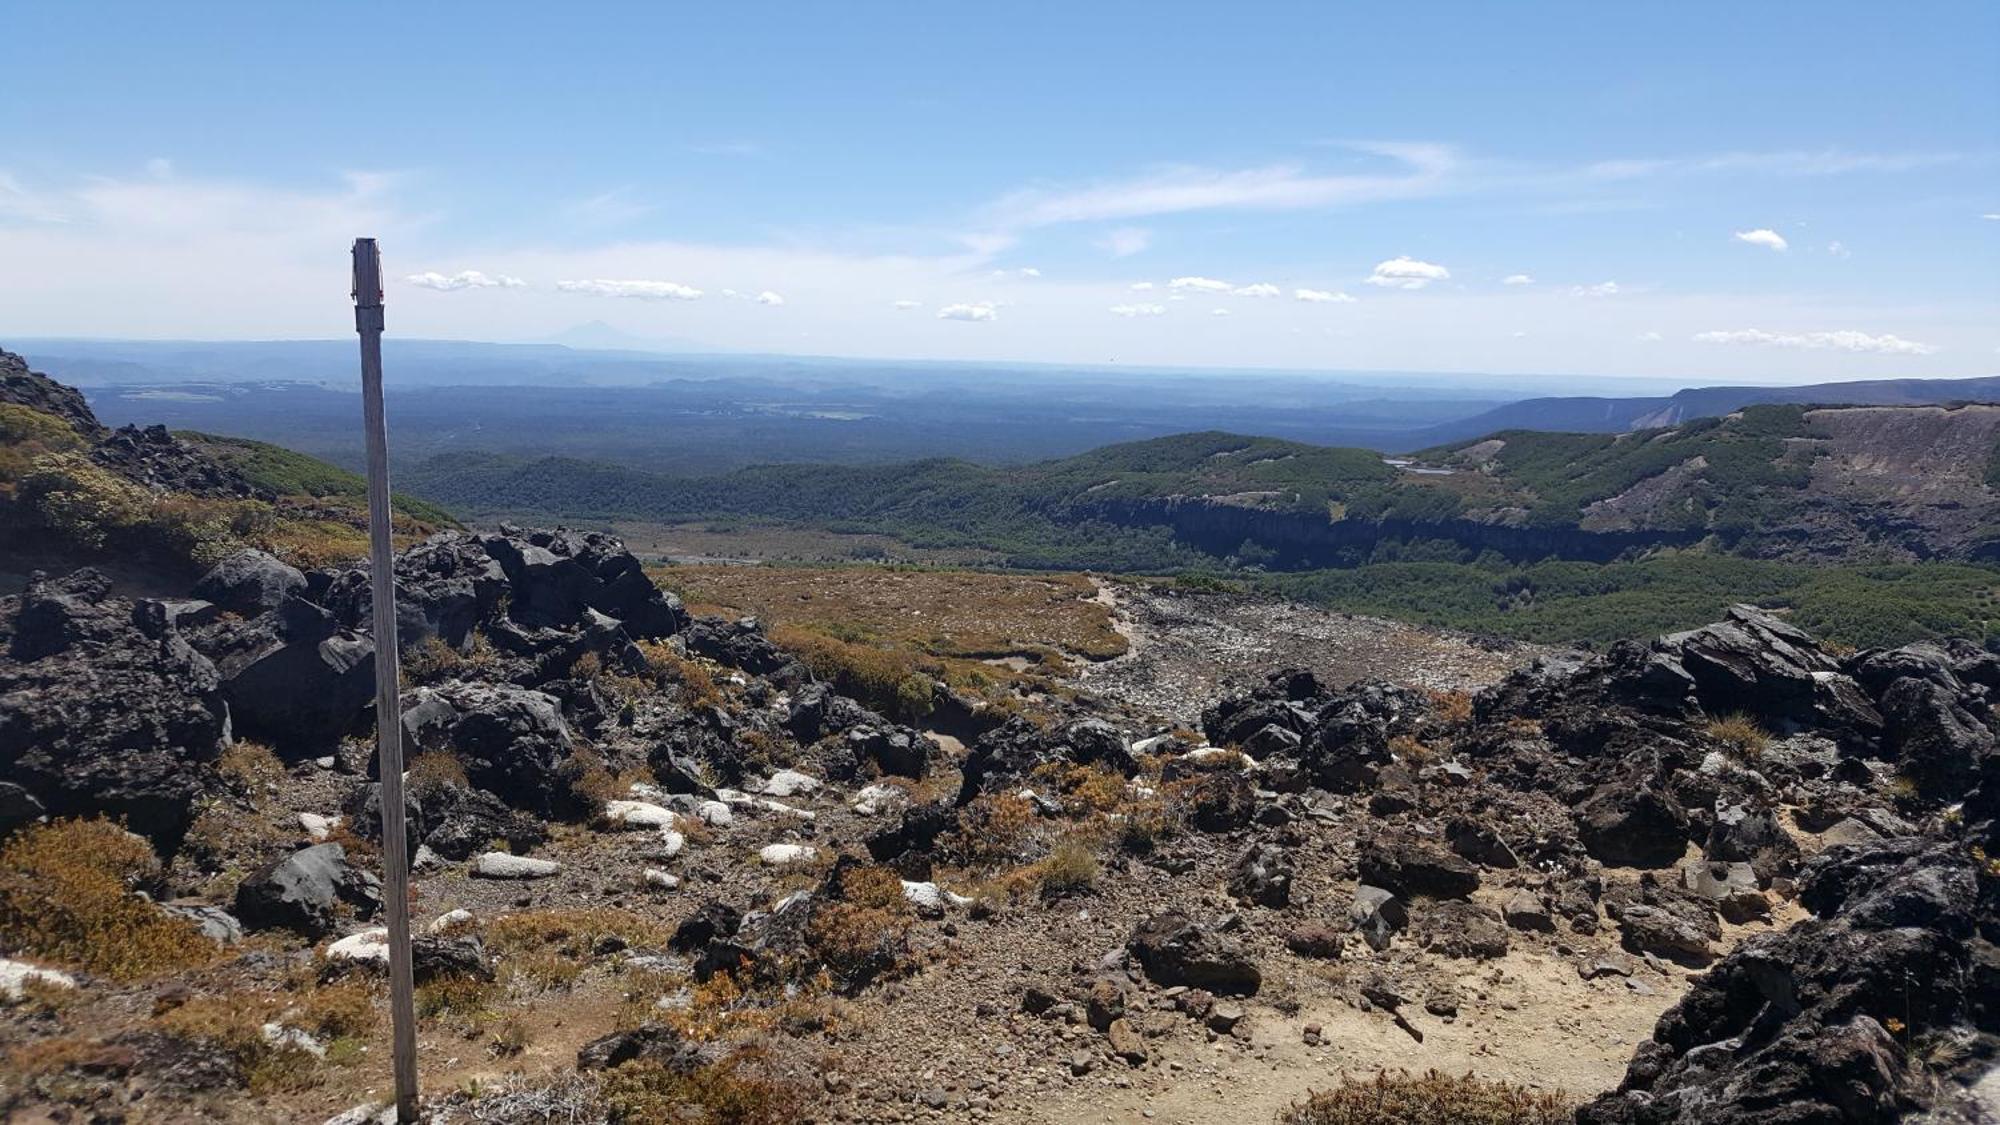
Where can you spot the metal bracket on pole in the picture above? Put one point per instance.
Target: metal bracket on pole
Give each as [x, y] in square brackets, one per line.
[388, 710]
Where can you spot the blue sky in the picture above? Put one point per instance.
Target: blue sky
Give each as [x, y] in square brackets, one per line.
[1784, 191]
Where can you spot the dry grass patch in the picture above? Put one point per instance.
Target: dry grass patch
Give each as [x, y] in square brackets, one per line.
[1740, 733]
[1400, 1098]
[551, 948]
[65, 897]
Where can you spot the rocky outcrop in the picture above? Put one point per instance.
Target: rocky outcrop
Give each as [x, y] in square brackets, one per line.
[37, 391]
[105, 708]
[1822, 1022]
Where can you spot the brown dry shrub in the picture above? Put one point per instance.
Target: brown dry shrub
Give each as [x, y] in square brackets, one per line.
[730, 1092]
[991, 830]
[250, 765]
[1088, 788]
[858, 943]
[1452, 706]
[1400, 1098]
[1069, 869]
[892, 681]
[65, 897]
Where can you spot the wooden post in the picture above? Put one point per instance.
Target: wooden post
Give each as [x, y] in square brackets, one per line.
[388, 710]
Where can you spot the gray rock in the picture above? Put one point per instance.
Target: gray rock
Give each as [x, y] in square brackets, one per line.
[1378, 914]
[249, 583]
[502, 865]
[301, 891]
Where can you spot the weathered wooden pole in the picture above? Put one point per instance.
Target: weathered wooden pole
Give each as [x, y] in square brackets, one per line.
[388, 708]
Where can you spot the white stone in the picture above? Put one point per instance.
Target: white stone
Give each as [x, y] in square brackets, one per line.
[715, 814]
[671, 843]
[877, 798]
[278, 1035]
[778, 855]
[452, 921]
[783, 809]
[317, 827]
[366, 947]
[1148, 745]
[426, 859]
[501, 865]
[15, 976]
[930, 896]
[661, 880]
[367, 1113]
[1210, 753]
[637, 814]
[788, 783]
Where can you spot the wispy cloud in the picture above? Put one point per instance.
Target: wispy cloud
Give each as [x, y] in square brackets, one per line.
[1601, 289]
[1198, 285]
[1218, 312]
[1322, 297]
[1142, 309]
[641, 290]
[463, 279]
[1406, 273]
[1763, 236]
[605, 209]
[1125, 241]
[1517, 279]
[1024, 273]
[906, 306]
[728, 148]
[1259, 289]
[769, 298]
[973, 311]
[1842, 341]
[1420, 170]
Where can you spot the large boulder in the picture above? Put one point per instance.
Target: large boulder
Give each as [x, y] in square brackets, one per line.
[303, 891]
[1176, 951]
[1757, 664]
[514, 743]
[104, 707]
[555, 575]
[1411, 867]
[249, 582]
[293, 677]
[1938, 742]
[1633, 824]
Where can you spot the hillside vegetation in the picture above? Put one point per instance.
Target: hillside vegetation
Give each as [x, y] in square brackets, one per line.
[70, 489]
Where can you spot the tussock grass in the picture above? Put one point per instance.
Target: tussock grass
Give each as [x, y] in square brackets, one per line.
[1740, 733]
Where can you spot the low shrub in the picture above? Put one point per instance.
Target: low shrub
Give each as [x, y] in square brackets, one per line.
[65, 896]
[1069, 869]
[730, 1092]
[1400, 1098]
[550, 948]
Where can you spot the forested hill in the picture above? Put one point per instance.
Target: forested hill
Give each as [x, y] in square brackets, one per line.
[1834, 483]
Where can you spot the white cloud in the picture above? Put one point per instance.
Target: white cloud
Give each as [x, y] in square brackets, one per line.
[464, 279]
[1520, 335]
[1259, 289]
[1125, 241]
[1843, 341]
[1218, 312]
[769, 298]
[905, 306]
[1174, 190]
[1322, 297]
[1406, 273]
[1025, 273]
[1763, 236]
[1993, 215]
[643, 290]
[1650, 337]
[1838, 249]
[1198, 285]
[982, 310]
[1142, 287]
[1138, 310]
[160, 168]
[1517, 279]
[1601, 289]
